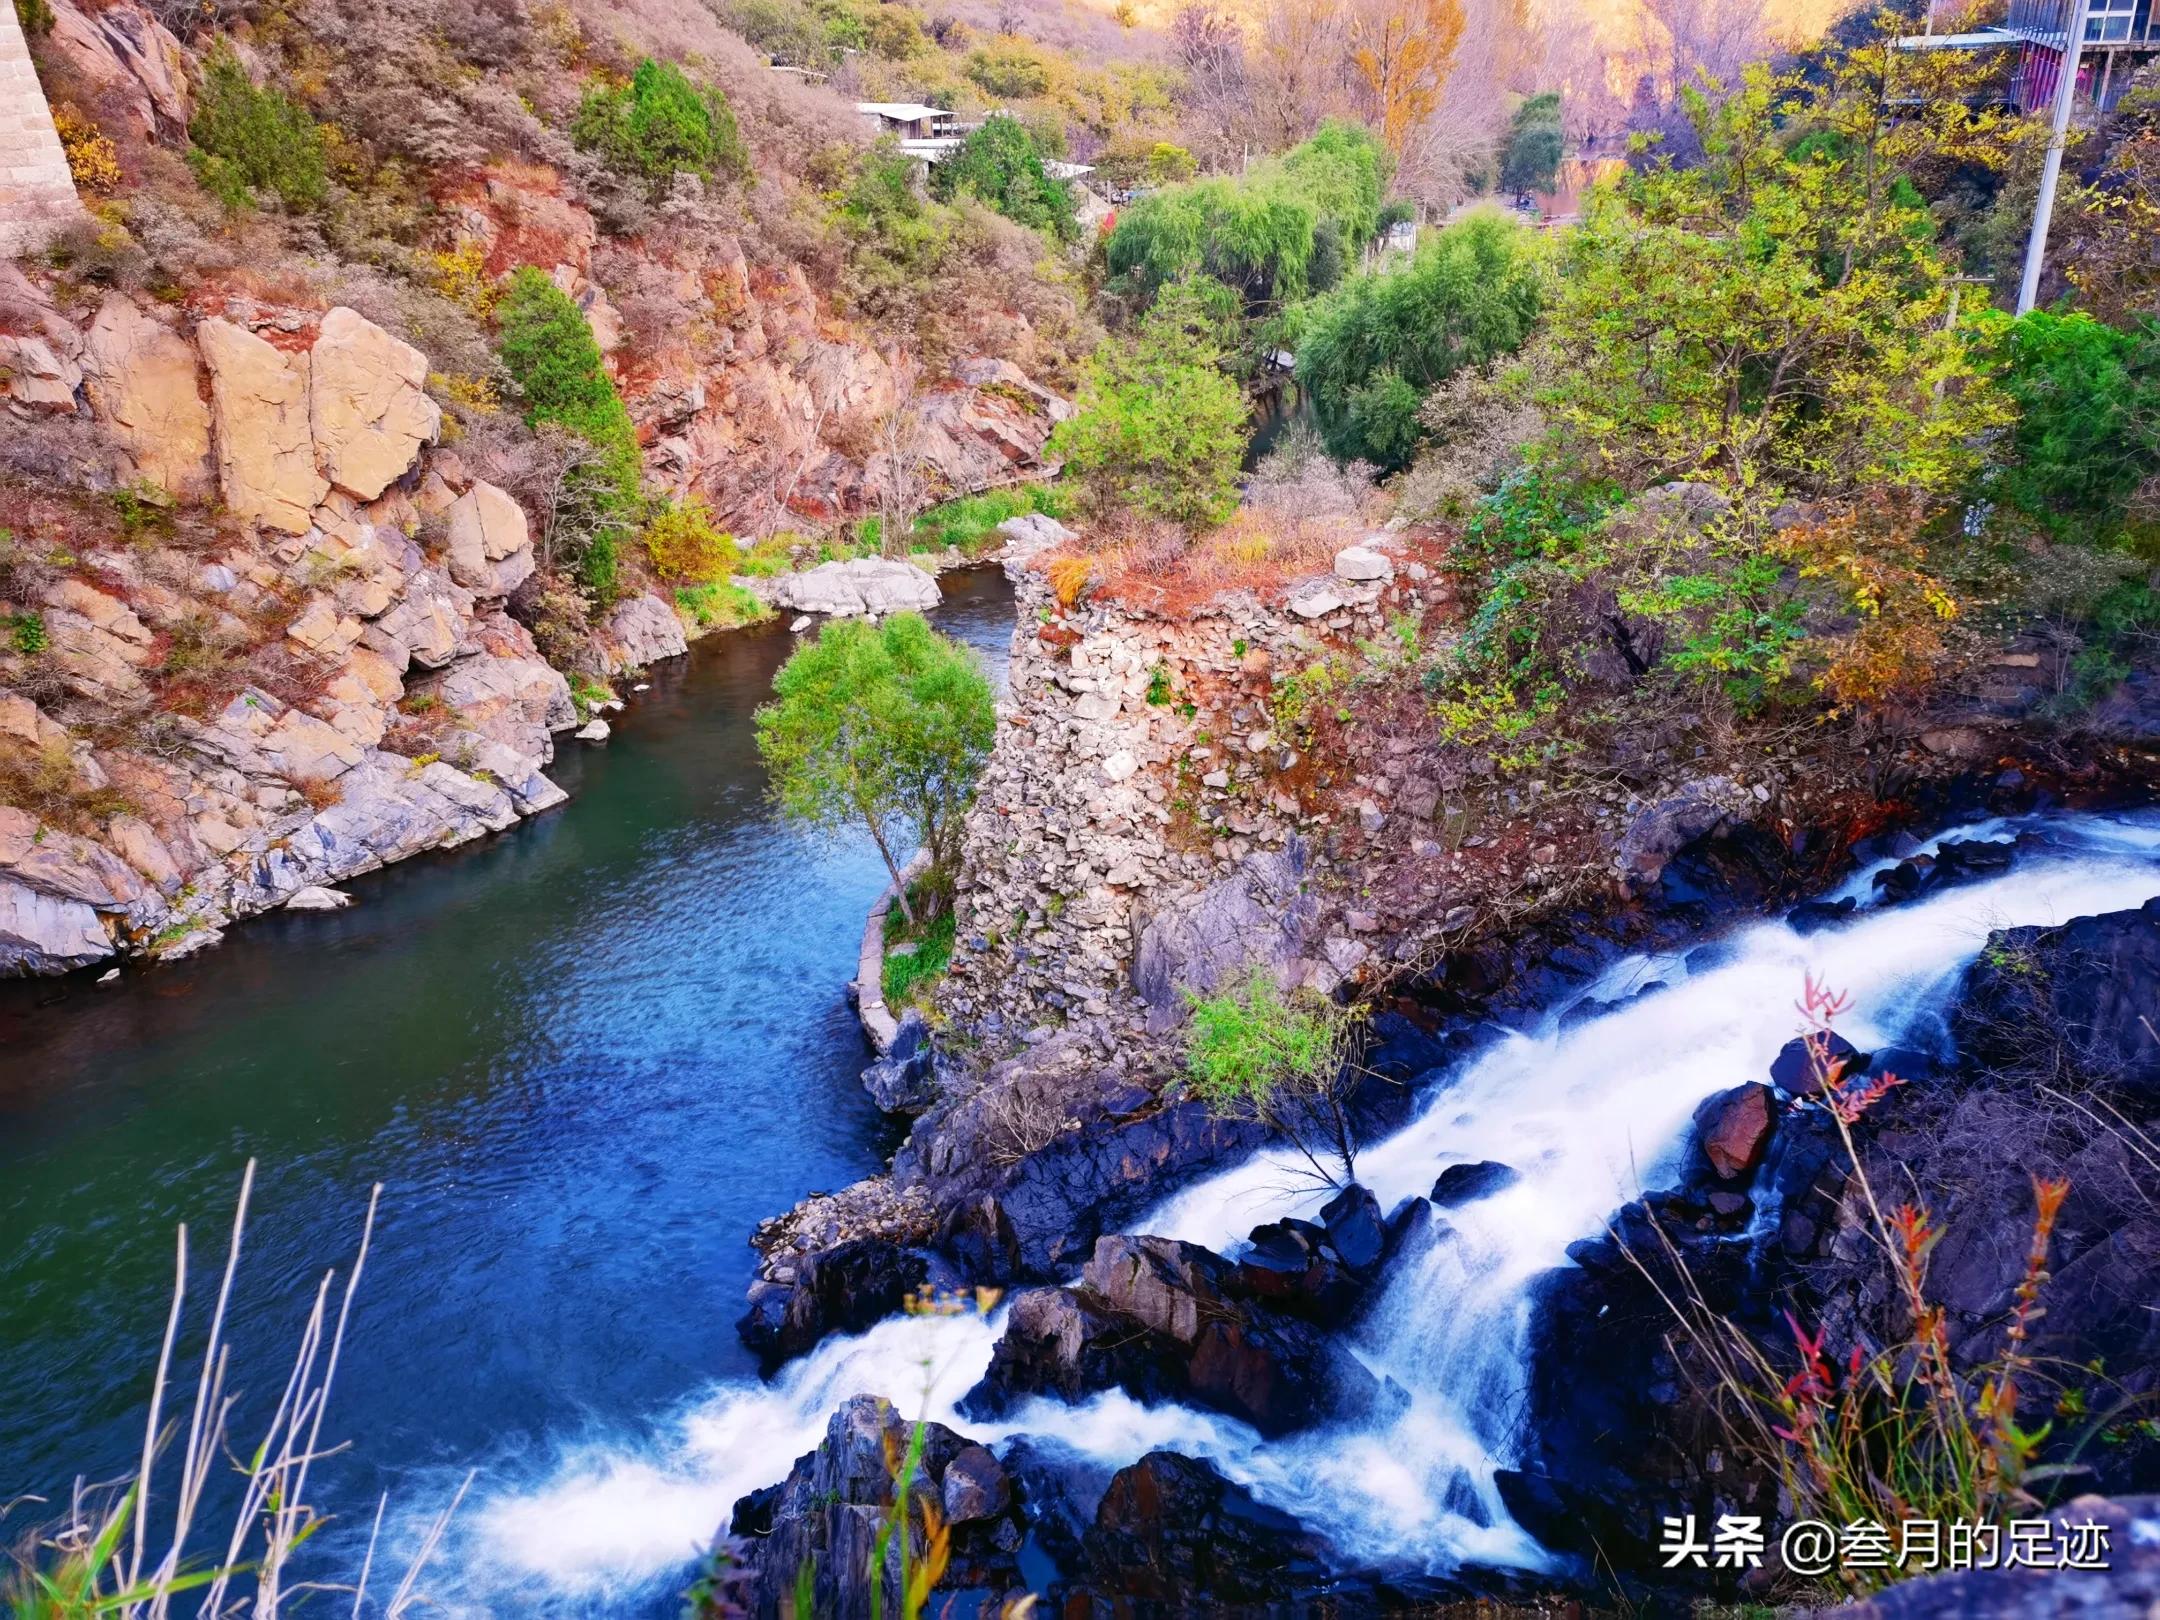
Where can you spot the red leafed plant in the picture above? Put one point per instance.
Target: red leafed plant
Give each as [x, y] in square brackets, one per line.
[1885, 1432]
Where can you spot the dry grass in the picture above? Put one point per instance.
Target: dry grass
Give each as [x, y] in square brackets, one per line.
[100, 1559]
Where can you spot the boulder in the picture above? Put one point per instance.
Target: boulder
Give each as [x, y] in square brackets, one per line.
[1733, 1129]
[141, 378]
[844, 1289]
[368, 404]
[1813, 916]
[2078, 999]
[259, 400]
[1467, 1183]
[638, 632]
[872, 586]
[903, 1080]
[1362, 563]
[1662, 830]
[489, 542]
[829, 1511]
[315, 897]
[1794, 1070]
[38, 377]
[974, 1487]
[1162, 1320]
[1171, 1531]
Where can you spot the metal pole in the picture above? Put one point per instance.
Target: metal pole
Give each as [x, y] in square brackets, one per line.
[2051, 168]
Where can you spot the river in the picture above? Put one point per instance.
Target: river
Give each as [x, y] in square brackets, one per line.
[584, 1059]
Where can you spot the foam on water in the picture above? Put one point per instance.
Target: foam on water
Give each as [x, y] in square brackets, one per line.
[1589, 1115]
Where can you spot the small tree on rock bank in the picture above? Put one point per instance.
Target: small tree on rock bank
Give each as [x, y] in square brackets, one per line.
[884, 727]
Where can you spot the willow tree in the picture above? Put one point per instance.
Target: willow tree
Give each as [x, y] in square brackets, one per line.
[882, 727]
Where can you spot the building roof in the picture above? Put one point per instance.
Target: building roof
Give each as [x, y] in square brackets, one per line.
[1981, 39]
[900, 112]
[1059, 169]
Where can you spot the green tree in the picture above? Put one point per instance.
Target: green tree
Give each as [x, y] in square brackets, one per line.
[2088, 427]
[1531, 159]
[884, 727]
[1772, 318]
[1286, 1061]
[660, 125]
[548, 348]
[1256, 234]
[250, 141]
[1373, 348]
[1160, 427]
[999, 163]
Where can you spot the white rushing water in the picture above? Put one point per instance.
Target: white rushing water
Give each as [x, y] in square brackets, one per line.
[1590, 1116]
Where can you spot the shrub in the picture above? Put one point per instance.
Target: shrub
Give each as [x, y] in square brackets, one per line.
[719, 604]
[1252, 1052]
[2088, 426]
[549, 351]
[1159, 429]
[250, 140]
[907, 978]
[1470, 296]
[971, 521]
[36, 16]
[884, 727]
[999, 164]
[1256, 234]
[660, 125]
[684, 545]
[27, 634]
[93, 159]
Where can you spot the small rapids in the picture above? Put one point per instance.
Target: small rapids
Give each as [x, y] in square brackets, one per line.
[1590, 1111]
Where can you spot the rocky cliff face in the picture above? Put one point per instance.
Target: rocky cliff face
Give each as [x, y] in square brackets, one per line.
[749, 393]
[201, 717]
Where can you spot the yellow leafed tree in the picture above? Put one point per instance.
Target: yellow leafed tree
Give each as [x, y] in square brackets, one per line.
[1403, 52]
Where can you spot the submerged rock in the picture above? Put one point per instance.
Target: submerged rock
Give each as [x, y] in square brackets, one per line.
[1467, 1183]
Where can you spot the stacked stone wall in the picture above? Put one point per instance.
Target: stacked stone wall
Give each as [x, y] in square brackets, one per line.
[37, 194]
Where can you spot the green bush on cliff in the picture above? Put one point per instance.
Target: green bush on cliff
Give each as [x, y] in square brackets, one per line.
[660, 125]
[1254, 1053]
[999, 164]
[883, 727]
[251, 140]
[549, 351]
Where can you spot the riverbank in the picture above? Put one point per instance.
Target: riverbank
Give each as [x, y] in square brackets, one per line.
[1149, 827]
[580, 1056]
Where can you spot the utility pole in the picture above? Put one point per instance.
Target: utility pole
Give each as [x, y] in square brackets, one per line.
[2051, 169]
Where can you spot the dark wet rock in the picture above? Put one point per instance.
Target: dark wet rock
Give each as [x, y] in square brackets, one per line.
[1165, 1320]
[1812, 916]
[975, 1487]
[1172, 1532]
[1733, 1129]
[2128, 1587]
[844, 1289]
[1467, 1183]
[1025, 1194]
[1353, 1224]
[2079, 1002]
[829, 1509]
[1793, 1070]
[1662, 830]
[1059, 1490]
[1292, 1266]
[903, 1080]
[1587, 1011]
[1904, 881]
[1970, 861]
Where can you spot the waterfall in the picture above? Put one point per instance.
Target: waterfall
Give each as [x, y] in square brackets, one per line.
[1590, 1111]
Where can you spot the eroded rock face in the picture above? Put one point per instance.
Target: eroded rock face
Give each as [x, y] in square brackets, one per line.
[2079, 999]
[265, 451]
[368, 408]
[142, 381]
[1258, 918]
[128, 53]
[639, 632]
[297, 779]
[1171, 1531]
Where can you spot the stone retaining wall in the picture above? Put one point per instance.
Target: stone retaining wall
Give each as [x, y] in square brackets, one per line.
[37, 193]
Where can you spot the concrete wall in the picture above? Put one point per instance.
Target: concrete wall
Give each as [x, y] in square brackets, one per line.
[37, 194]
